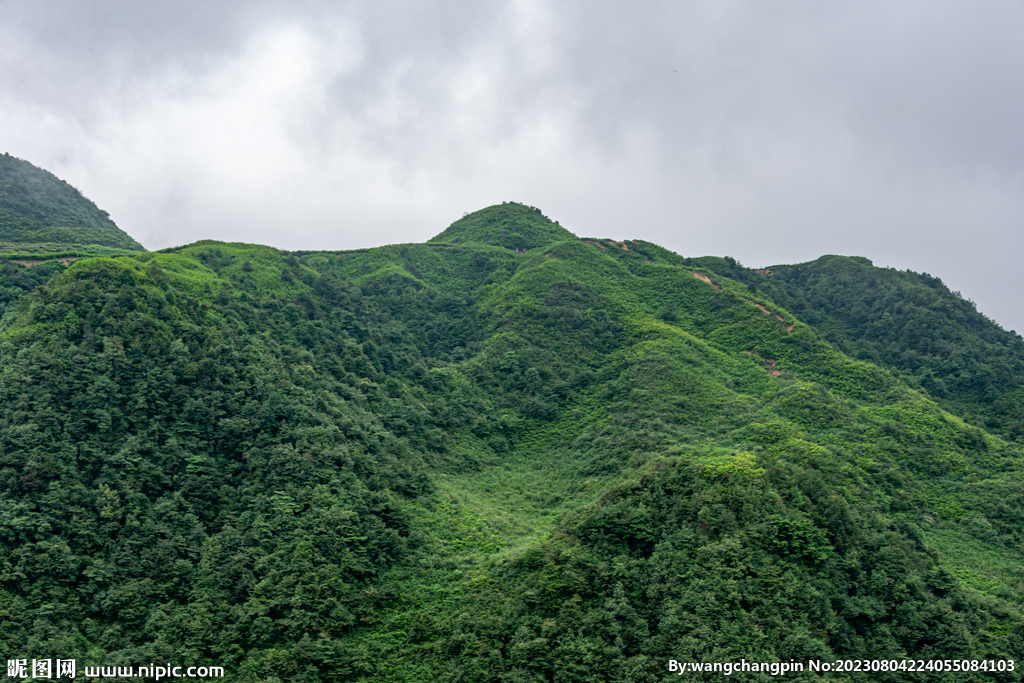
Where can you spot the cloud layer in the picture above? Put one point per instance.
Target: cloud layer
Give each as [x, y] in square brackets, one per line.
[772, 132]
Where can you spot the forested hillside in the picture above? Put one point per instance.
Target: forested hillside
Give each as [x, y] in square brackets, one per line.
[506, 454]
[40, 212]
[907, 321]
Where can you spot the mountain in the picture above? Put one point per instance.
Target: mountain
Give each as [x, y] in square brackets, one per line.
[40, 212]
[512, 225]
[910, 322]
[506, 454]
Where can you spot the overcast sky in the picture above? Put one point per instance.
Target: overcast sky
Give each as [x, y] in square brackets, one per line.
[773, 132]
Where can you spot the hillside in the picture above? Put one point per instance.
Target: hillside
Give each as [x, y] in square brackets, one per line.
[513, 226]
[910, 322]
[41, 213]
[507, 454]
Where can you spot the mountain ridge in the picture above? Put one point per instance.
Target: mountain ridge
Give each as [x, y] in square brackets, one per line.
[530, 458]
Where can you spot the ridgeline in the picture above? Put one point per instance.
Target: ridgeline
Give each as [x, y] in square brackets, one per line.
[507, 454]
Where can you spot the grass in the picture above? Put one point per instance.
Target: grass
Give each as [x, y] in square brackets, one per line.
[995, 570]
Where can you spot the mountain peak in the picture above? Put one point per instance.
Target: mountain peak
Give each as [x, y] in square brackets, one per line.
[509, 224]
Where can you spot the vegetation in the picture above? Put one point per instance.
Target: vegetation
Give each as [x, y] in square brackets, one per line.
[520, 457]
[38, 210]
[910, 322]
[513, 226]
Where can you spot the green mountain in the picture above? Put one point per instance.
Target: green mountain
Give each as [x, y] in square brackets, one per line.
[41, 213]
[910, 322]
[513, 226]
[507, 454]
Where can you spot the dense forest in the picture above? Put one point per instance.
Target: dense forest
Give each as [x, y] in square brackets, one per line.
[505, 454]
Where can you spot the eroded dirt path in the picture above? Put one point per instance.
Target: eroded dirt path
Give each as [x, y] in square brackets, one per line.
[705, 278]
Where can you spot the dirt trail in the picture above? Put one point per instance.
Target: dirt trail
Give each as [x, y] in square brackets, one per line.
[772, 371]
[789, 328]
[705, 278]
[765, 309]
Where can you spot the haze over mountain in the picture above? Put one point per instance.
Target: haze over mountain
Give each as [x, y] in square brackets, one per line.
[38, 210]
[510, 453]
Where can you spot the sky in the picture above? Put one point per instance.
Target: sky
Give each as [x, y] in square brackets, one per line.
[772, 132]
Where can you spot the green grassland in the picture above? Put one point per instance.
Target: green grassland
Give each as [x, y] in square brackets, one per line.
[507, 454]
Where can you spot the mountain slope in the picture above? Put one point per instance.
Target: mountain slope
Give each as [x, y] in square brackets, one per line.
[729, 478]
[37, 208]
[511, 225]
[907, 321]
[462, 461]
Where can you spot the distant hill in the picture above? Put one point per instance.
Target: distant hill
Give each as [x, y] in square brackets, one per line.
[907, 321]
[39, 212]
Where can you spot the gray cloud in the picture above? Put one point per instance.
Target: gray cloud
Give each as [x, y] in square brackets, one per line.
[773, 132]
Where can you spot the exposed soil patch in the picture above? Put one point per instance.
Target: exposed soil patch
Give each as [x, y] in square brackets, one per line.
[597, 244]
[789, 328]
[772, 371]
[705, 278]
[765, 271]
[620, 244]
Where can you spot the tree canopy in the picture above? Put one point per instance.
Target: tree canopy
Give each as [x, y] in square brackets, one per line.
[570, 460]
